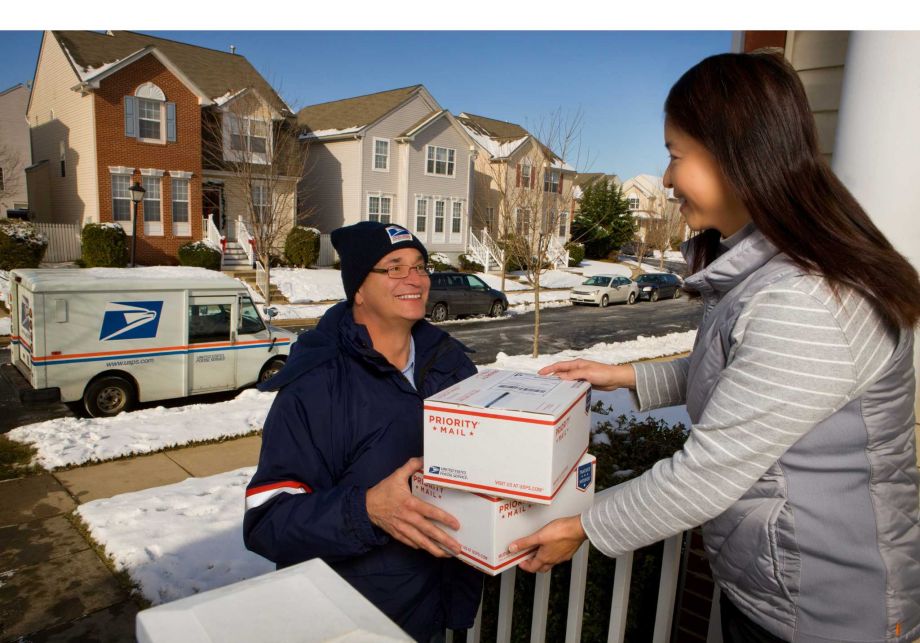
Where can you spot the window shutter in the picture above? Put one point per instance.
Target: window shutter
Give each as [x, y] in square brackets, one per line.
[130, 119]
[171, 122]
[518, 184]
[560, 182]
[533, 178]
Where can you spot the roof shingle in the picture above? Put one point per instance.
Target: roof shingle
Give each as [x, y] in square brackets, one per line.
[353, 113]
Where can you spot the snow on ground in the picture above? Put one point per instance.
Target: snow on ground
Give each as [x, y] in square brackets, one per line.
[304, 286]
[5, 325]
[69, 441]
[589, 267]
[185, 538]
[180, 539]
[495, 281]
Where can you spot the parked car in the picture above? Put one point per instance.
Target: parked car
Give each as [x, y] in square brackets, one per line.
[655, 286]
[456, 294]
[601, 290]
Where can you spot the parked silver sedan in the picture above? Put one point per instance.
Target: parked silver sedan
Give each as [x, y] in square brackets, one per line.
[601, 290]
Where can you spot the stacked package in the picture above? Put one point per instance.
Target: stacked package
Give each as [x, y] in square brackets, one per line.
[506, 453]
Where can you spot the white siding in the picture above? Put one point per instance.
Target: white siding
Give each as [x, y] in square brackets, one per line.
[457, 188]
[332, 184]
[74, 198]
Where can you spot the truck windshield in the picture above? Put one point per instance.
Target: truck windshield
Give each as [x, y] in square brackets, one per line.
[250, 322]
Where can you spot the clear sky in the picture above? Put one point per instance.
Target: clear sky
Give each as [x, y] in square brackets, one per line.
[618, 80]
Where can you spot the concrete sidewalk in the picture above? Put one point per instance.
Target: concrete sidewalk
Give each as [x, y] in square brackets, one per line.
[53, 585]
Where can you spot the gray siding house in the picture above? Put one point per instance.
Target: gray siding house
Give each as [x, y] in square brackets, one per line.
[395, 156]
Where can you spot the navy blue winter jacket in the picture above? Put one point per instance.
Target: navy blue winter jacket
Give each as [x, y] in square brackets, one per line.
[345, 419]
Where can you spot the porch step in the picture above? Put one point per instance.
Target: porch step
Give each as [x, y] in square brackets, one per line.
[249, 276]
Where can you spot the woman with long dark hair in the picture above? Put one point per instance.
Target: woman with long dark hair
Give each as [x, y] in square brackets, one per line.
[801, 462]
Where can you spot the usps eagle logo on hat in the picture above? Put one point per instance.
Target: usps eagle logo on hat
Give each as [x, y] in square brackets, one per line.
[398, 234]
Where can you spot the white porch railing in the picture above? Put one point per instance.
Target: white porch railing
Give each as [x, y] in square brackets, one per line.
[557, 254]
[245, 239]
[216, 238]
[485, 250]
[667, 589]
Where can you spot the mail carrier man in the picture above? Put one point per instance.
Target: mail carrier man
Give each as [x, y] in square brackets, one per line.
[344, 436]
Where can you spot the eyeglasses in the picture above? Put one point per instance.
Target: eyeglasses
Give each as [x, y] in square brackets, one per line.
[401, 271]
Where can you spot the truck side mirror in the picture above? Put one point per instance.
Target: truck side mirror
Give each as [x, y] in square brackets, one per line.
[270, 311]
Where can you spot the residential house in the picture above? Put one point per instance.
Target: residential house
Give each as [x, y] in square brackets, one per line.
[394, 156]
[582, 181]
[522, 186]
[644, 194]
[109, 110]
[15, 154]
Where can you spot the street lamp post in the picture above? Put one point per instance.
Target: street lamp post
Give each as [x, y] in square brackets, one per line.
[137, 195]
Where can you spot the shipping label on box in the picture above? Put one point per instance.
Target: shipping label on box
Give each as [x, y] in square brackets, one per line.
[488, 524]
[514, 435]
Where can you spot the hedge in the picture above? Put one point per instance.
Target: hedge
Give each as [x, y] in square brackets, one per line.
[21, 245]
[301, 248]
[576, 253]
[105, 245]
[468, 264]
[200, 254]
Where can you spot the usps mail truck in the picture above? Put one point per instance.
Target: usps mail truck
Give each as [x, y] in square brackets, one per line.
[112, 337]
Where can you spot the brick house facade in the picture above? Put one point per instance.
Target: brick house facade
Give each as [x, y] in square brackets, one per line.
[114, 109]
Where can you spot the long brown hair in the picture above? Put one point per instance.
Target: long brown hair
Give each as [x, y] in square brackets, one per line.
[751, 113]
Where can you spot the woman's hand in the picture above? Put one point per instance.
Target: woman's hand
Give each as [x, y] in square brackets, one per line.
[557, 542]
[604, 377]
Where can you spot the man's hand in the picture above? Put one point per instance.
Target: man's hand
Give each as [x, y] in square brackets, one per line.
[557, 542]
[603, 377]
[393, 508]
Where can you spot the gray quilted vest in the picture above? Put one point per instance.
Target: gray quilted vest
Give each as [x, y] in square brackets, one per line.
[826, 545]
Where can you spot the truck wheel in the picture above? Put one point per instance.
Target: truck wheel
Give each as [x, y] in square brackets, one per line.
[271, 369]
[109, 396]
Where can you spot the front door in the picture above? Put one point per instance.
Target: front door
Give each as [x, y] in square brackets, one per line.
[211, 334]
[212, 206]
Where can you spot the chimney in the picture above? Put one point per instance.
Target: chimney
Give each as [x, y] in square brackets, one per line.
[232, 49]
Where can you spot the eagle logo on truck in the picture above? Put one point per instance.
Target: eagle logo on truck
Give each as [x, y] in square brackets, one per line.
[130, 320]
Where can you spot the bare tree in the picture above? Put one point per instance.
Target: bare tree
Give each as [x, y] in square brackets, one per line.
[533, 195]
[260, 149]
[11, 172]
[665, 222]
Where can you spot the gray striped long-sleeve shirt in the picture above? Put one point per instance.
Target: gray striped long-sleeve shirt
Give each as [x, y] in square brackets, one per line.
[799, 354]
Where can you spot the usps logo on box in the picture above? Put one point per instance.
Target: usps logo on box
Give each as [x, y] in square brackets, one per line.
[585, 475]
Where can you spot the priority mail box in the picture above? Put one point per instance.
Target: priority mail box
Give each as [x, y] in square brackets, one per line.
[488, 524]
[508, 434]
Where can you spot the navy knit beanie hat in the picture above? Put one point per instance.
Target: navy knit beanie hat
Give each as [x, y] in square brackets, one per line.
[362, 245]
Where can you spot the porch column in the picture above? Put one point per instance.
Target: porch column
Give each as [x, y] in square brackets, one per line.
[878, 134]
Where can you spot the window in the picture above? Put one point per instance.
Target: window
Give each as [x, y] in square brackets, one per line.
[526, 176]
[440, 161]
[1, 179]
[148, 115]
[439, 217]
[210, 323]
[378, 208]
[148, 118]
[62, 150]
[180, 207]
[456, 217]
[633, 202]
[151, 198]
[381, 154]
[490, 219]
[551, 181]
[261, 201]
[121, 197]
[421, 215]
[523, 221]
[250, 322]
[562, 221]
[248, 135]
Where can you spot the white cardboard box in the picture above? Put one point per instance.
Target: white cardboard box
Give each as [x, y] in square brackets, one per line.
[489, 524]
[514, 435]
[299, 604]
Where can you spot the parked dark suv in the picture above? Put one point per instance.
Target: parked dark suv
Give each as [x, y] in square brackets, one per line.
[655, 286]
[454, 294]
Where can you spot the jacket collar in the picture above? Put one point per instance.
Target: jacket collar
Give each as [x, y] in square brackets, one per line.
[742, 254]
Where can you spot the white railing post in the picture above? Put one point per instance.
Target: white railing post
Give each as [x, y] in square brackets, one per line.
[216, 238]
[619, 605]
[505, 606]
[577, 594]
[540, 608]
[667, 588]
